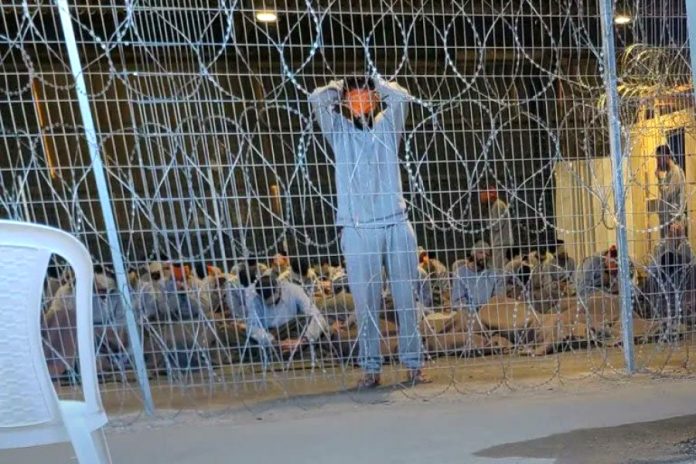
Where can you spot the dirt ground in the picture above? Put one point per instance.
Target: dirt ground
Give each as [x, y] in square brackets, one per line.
[242, 387]
[573, 408]
[644, 420]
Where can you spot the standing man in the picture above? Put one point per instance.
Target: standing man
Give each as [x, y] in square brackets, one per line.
[497, 226]
[671, 182]
[372, 211]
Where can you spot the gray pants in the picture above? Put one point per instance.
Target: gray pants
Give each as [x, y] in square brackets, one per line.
[366, 251]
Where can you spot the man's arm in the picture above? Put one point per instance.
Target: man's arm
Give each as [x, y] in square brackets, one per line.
[587, 276]
[397, 99]
[460, 297]
[673, 193]
[324, 101]
[317, 324]
[256, 330]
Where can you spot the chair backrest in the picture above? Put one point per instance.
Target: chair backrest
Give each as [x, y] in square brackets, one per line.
[27, 396]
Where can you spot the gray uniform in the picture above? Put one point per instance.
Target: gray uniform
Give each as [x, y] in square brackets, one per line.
[372, 212]
[149, 300]
[293, 303]
[471, 289]
[309, 283]
[59, 332]
[182, 304]
[672, 200]
[499, 232]
[235, 299]
[590, 277]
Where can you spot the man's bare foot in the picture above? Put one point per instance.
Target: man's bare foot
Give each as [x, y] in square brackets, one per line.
[370, 381]
[416, 377]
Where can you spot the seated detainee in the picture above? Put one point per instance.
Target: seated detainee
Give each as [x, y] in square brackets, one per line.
[438, 280]
[424, 291]
[149, 298]
[327, 269]
[182, 294]
[183, 334]
[670, 275]
[476, 282]
[108, 315]
[599, 273]
[563, 260]
[209, 283]
[302, 274]
[597, 286]
[337, 304]
[236, 290]
[676, 242]
[261, 268]
[339, 281]
[280, 263]
[230, 322]
[430, 265]
[279, 313]
[561, 268]
[518, 275]
[536, 281]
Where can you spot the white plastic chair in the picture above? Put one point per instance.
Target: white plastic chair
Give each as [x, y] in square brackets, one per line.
[30, 412]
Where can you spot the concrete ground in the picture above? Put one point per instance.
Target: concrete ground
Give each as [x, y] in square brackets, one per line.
[591, 421]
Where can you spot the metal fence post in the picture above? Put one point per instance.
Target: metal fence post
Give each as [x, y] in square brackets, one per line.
[610, 78]
[105, 202]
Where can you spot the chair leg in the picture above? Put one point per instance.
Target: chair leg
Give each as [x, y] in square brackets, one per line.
[90, 448]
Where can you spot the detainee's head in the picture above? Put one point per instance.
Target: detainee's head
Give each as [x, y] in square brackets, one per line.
[181, 273]
[489, 194]
[360, 97]
[104, 280]
[611, 261]
[664, 156]
[281, 260]
[300, 266]
[268, 289]
[247, 274]
[480, 255]
[676, 230]
[423, 256]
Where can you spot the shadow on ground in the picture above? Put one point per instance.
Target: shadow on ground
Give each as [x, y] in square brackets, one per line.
[660, 442]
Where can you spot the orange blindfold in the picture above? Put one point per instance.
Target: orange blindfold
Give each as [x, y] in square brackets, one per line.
[181, 273]
[360, 101]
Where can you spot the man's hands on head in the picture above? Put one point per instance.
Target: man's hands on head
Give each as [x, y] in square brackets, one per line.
[337, 84]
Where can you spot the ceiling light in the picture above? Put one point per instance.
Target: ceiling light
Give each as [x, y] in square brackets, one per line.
[622, 19]
[266, 16]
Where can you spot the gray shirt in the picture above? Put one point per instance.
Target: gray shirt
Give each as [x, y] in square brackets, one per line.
[499, 225]
[672, 199]
[368, 182]
[293, 303]
[473, 289]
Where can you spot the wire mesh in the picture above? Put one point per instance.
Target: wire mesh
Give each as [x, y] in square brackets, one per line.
[467, 228]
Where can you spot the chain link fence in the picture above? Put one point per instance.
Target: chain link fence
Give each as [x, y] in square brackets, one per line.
[178, 142]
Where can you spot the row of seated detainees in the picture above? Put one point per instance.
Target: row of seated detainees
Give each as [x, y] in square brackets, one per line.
[191, 316]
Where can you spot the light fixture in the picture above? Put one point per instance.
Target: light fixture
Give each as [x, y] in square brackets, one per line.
[266, 16]
[622, 19]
